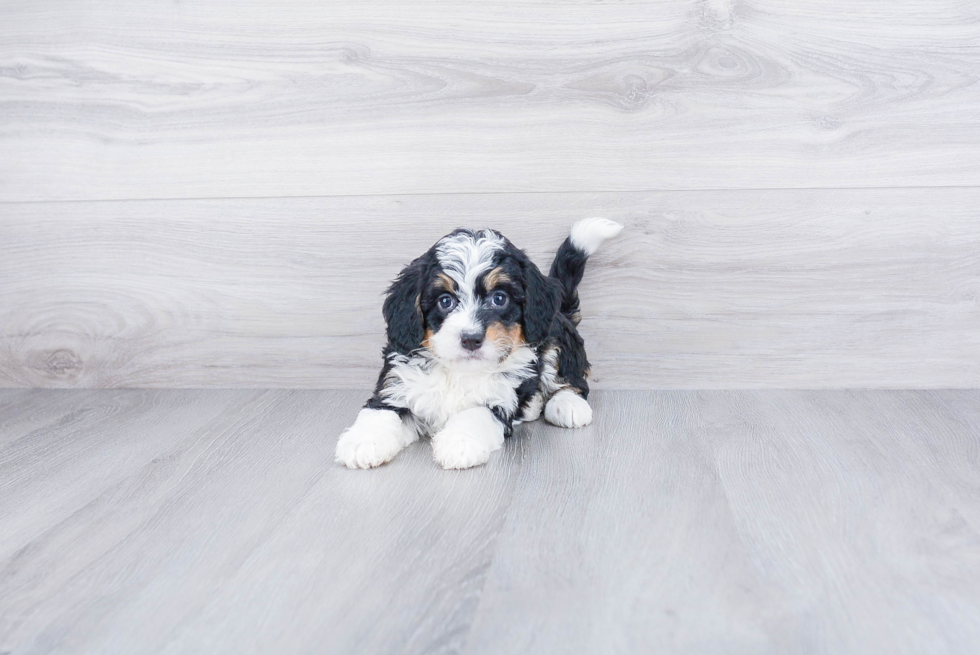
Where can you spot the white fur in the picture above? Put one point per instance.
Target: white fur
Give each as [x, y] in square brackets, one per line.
[567, 409]
[467, 439]
[533, 409]
[376, 436]
[466, 257]
[589, 233]
[549, 372]
[434, 391]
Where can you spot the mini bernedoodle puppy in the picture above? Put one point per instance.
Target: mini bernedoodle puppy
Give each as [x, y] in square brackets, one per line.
[478, 341]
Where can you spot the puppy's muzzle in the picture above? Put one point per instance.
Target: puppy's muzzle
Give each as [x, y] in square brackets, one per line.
[471, 342]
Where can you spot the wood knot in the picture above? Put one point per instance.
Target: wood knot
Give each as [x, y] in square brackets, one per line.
[62, 363]
[354, 53]
[717, 15]
[635, 90]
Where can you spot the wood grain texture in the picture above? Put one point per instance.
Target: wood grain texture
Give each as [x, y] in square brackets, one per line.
[205, 503]
[744, 522]
[116, 100]
[790, 288]
[785, 522]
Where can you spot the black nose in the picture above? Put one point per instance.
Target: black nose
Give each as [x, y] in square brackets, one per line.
[472, 341]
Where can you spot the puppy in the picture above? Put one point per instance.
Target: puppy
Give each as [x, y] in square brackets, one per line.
[478, 341]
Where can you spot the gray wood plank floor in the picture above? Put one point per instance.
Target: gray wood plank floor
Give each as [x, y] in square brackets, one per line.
[684, 521]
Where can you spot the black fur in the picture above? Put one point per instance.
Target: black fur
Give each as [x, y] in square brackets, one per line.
[506, 419]
[568, 268]
[402, 309]
[403, 316]
[376, 401]
[529, 388]
[573, 366]
[540, 297]
[540, 303]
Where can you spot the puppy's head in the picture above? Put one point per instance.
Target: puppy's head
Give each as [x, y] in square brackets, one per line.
[471, 300]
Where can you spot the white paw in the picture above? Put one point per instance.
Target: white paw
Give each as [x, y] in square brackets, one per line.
[375, 438]
[567, 409]
[460, 452]
[468, 439]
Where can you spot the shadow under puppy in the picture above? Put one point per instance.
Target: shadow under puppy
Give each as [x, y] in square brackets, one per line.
[478, 341]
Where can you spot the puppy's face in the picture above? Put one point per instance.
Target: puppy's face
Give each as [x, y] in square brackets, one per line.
[473, 306]
[476, 300]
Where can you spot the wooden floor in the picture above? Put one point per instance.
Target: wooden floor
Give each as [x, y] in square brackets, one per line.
[208, 521]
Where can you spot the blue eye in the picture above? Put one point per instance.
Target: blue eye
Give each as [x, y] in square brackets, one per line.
[499, 299]
[446, 302]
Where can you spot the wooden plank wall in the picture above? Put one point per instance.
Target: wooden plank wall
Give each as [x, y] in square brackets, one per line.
[212, 194]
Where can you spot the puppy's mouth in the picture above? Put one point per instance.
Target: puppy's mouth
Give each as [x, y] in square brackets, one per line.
[472, 357]
[491, 356]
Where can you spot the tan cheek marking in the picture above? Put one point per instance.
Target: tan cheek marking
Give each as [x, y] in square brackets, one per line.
[428, 336]
[510, 338]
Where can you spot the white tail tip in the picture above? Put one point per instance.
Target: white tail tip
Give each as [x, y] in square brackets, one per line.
[589, 233]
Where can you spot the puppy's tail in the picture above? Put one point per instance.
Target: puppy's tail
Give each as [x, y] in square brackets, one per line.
[569, 265]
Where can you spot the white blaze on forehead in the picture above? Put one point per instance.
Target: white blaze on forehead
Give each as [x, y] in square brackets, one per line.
[465, 257]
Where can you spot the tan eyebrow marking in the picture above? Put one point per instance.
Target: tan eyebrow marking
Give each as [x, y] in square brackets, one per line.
[445, 282]
[495, 278]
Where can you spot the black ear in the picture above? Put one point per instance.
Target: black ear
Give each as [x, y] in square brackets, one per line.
[401, 308]
[541, 296]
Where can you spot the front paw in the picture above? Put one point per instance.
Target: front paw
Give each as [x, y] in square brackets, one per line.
[375, 438]
[468, 439]
[567, 409]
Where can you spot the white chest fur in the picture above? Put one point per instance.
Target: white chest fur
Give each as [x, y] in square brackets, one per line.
[435, 392]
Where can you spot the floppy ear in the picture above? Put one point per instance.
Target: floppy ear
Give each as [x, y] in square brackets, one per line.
[541, 296]
[402, 311]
